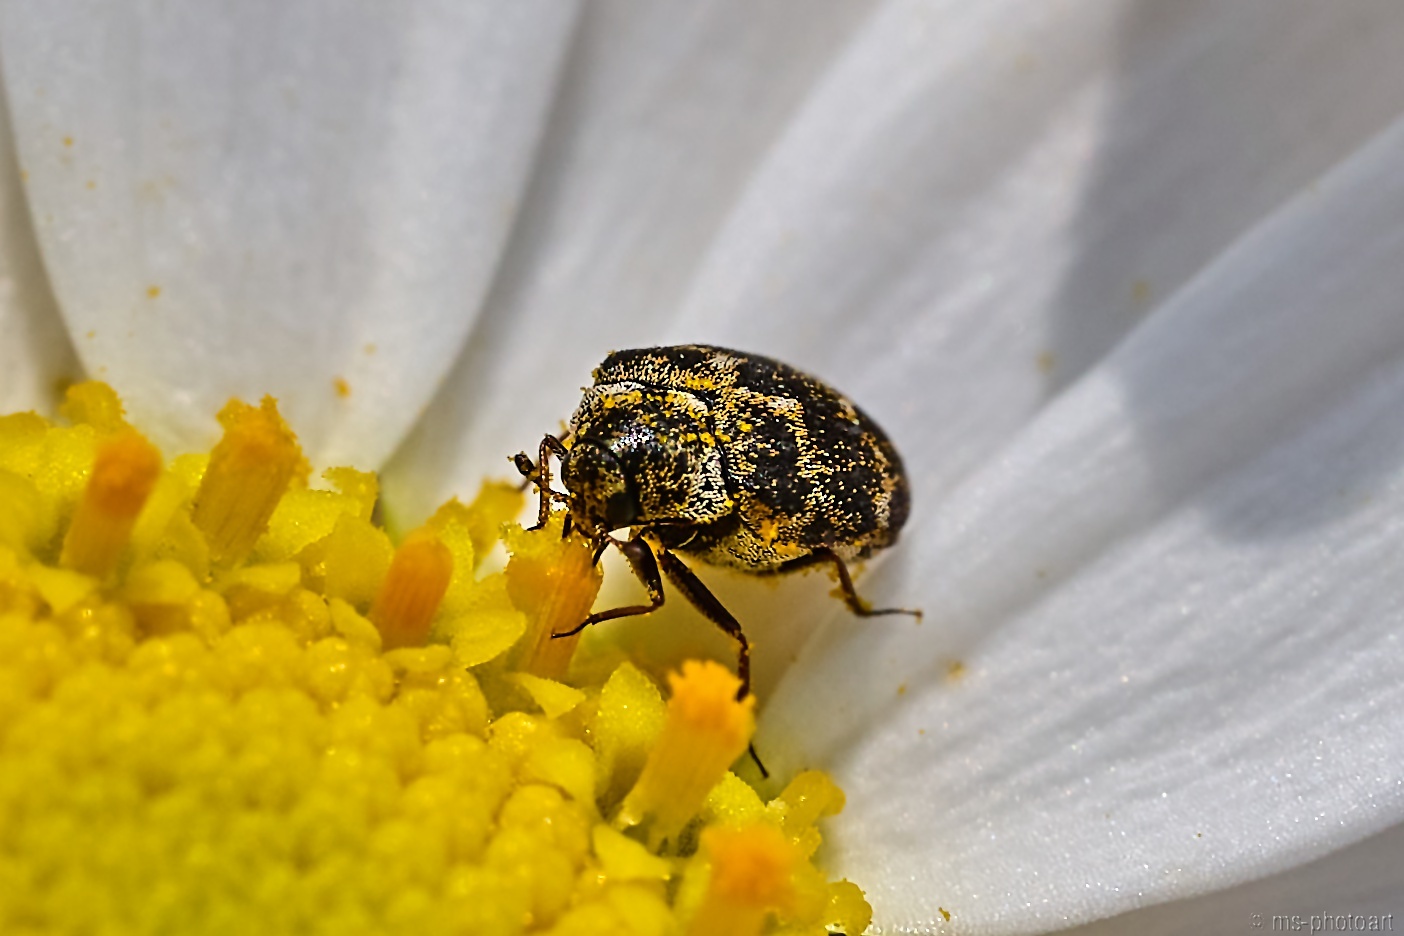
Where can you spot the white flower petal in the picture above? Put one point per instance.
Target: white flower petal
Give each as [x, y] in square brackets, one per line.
[1175, 598]
[662, 115]
[35, 354]
[1360, 882]
[238, 198]
[1097, 161]
[980, 199]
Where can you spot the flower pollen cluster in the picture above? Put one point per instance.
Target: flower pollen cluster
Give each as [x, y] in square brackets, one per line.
[230, 702]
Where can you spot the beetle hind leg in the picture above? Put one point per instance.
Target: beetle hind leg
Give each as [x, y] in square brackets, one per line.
[860, 606]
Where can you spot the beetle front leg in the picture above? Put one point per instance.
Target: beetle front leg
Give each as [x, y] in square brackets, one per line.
[540, 474]
[703, 600]
[645, 568]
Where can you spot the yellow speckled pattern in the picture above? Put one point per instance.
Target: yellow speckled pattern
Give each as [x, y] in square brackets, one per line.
[198, 740]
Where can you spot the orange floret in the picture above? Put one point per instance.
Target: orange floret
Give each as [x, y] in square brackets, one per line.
[752, 875]
[124, 472]
[418, 577]
[554, 581]
[707, 728]
[249, 470]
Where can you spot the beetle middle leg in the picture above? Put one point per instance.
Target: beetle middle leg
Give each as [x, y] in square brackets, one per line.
[646, 567]
[858, 605]
[540, 474]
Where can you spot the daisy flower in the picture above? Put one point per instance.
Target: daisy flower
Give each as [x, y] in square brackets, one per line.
[1121, 279]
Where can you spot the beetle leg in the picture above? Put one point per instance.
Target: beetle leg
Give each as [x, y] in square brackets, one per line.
[557, 448]
[540, 474]
[526, 468]
[645, 567]
[857, 605]
[703, 600]
[543, 481]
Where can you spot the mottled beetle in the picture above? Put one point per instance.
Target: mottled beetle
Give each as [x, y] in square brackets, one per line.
[738, 459]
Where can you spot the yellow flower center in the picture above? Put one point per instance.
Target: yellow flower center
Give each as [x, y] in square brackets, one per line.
[230, 703]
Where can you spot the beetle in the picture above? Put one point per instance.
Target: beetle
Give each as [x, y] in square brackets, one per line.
[736, 459]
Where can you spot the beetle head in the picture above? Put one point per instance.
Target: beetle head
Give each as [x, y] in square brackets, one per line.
[601, 497]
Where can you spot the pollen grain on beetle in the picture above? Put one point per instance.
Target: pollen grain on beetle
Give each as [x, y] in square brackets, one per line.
[230, 701]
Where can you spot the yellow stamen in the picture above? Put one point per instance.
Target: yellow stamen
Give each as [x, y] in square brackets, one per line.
[124, 472]
[554, 582]
[808, 798]
[249, 470]
[95, 404]
[848, 910]
[496, 503]
[413, 588]
[706, 729]
[752, 875]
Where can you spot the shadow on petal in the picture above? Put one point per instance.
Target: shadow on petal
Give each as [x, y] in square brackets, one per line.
[1359, 881]
[36, 356]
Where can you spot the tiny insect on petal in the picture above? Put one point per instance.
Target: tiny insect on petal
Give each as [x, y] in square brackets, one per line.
[735, 459]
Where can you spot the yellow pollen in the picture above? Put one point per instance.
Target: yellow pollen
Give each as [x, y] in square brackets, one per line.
[707, 728]
[413, 588]
[95, 404]
[249, 471]
[124, 472]
[327, 734]
[752, 875]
